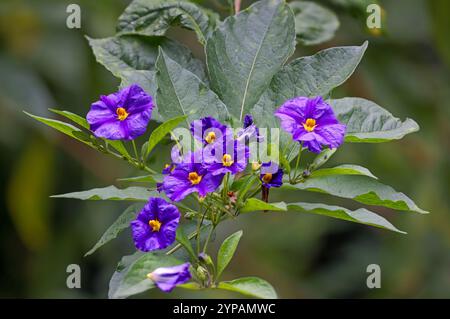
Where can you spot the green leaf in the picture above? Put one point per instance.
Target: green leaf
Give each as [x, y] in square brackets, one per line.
[155, 17]
[306, 76]
[345, 169]
[81, 121]
[314, 24]
[226, 251]
[368, 122]
[361, 215]
[362, 189]
[250, 286]
[112, 193]
[180, 92]
[184, 241]
[120, 147]
[132, 59]
[122, 223]
[150, 179]
[117, 145]
[254, 204]
[322, 158]
[161, 131]
[131, 276]
[65, 128]
[246, 50]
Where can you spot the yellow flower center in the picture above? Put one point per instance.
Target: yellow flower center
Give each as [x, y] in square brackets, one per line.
[155, 225]
[122, 114]
[310, 125]
[194, 178]
[227, 160]
[267, 178]
[210, 137]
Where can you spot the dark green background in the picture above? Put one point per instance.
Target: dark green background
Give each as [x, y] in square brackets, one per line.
[44, 64]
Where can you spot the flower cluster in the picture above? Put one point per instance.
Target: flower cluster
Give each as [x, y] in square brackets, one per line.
[125, 116]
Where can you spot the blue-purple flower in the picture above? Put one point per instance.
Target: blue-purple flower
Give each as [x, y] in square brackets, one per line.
[209, 130]
[249, 131]
[167, 278]
[312, 122]
[271, 175]
[156, 225]
[190, 177]
[228, 157]
[123, 115]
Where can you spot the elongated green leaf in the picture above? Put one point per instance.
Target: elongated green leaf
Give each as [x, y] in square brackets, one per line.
[151, 179]
[120, 147]
[343, 170]
[181, 93]
[307, 76]
[246, 50]
[81, 121]
[161, 131]
[250, 286]
[254, 204]
[112, 193]
[361, 215]
[131, 276]
[322, 158]
[132, 59]
[314, 24]
[226, 251]
[184, 241]
[362, 189]
[155, 17]
[65, 128]
[368, 122]
[122, 223]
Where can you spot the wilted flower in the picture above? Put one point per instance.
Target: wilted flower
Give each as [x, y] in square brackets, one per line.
[167, 278]
[208, 130]
[311, 121]
[156, 225]
[190, 177]
[270, 179]
[123, 115]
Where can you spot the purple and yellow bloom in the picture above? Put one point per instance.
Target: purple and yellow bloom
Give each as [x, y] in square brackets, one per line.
[123, 115]
[208, 130]
[190, 177]
[167, 278]
[231, 158]
[312, 122]
[156, 225]
[270, 178]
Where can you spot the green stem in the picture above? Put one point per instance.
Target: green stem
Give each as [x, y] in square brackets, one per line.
[136, 152]
[209, 237]
[298, 161]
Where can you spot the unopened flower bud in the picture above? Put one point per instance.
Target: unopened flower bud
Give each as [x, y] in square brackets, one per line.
[256, 166]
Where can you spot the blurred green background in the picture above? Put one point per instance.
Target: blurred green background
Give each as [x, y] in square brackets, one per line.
[44, 64]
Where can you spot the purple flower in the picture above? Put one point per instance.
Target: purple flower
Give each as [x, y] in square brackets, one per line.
[271, 175]
[249, 130]
[190, 177]
[229, 157]
[312, 122]
[248, 120]
[208, 130]
[123, 115]
[167, 278]
[155, 226]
